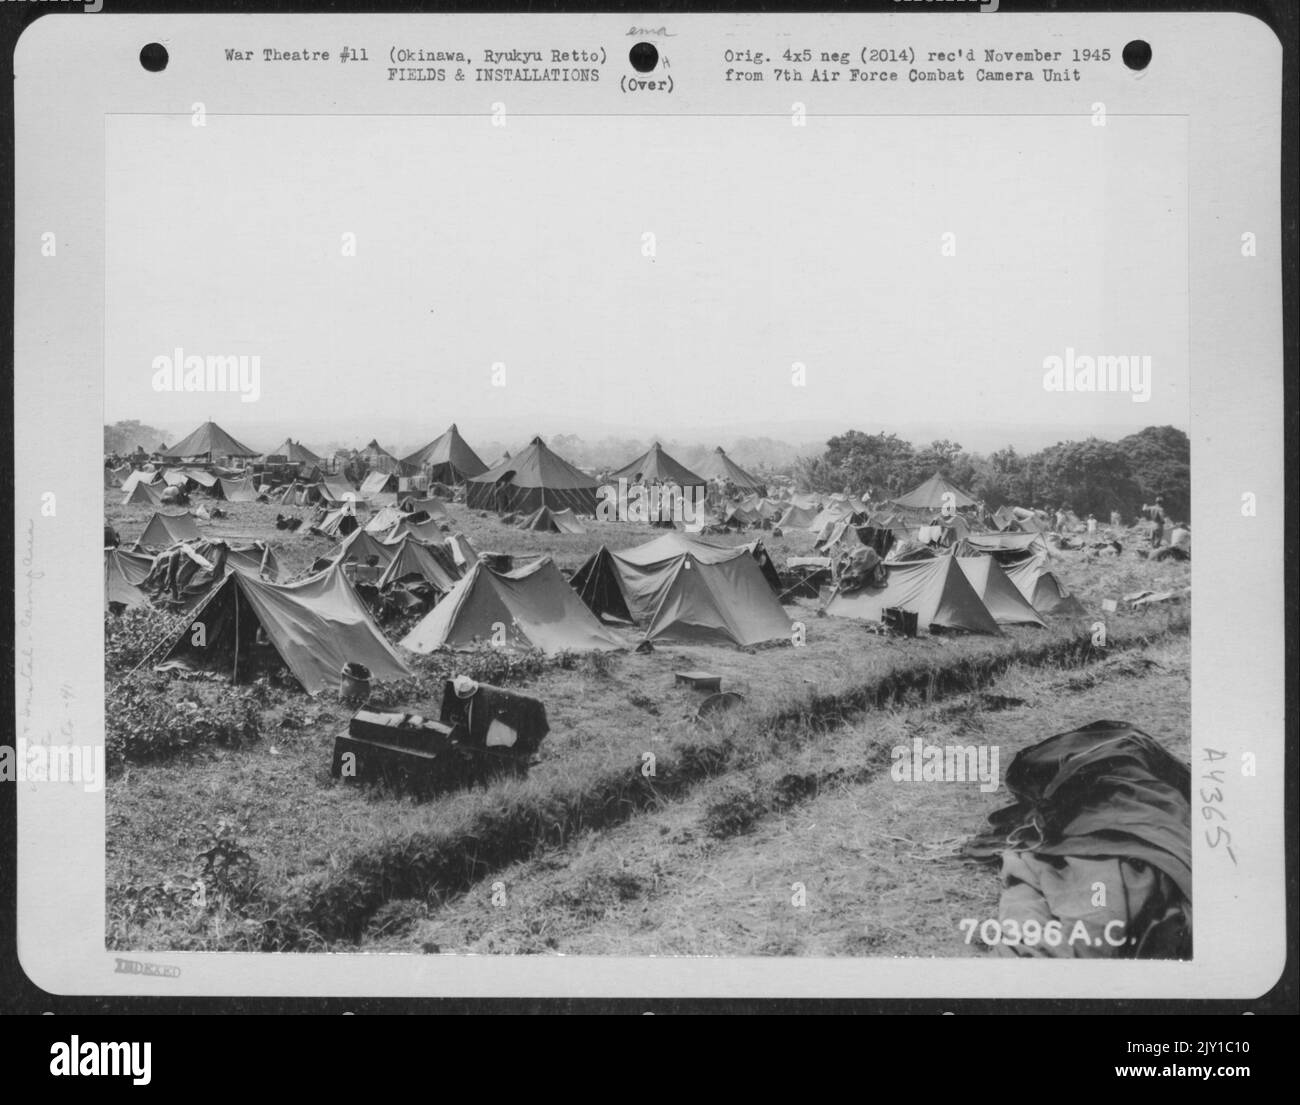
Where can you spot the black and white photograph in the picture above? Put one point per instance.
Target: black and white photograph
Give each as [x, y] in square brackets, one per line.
[712, 492]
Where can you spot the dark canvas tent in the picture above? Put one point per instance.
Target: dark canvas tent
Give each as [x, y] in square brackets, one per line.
[296, 453]
[448, 459]
[656, 466]
[313, 627]
[124, 572]
[534, 478]
[210, 442]
[719, 466]
[685, 589]
[599, 585]
[462, 552]
[677, 542]
[1007, 605]
[432, 507]
[1005, 547]
[359, 546]
[1042, 588]
[935, 589]
[379, 459]
[545, 520]
[414, 558]
[724, 602]
[935, 494]
[164, 530]
[428, 531]
[532, 606]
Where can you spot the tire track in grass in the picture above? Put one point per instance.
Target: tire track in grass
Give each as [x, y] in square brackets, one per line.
[879, 860]
[525, 820]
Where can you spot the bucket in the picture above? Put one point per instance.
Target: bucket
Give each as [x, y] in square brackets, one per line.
[354, 682]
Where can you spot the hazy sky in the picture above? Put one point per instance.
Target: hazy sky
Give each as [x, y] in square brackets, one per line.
[523, 245]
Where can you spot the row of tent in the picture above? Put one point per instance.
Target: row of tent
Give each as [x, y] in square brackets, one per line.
[535, 477]
[538, 477]
[675, 588]
[972, 593]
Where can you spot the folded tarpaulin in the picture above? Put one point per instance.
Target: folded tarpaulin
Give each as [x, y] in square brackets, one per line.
[1102, 804]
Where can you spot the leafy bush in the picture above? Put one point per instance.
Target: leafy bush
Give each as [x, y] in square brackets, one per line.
[228, 868]
[130, 636]
[149, 717]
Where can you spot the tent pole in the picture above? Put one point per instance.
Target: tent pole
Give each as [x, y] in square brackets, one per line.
[234, 674]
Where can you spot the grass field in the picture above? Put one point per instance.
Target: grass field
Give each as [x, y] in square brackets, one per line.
[295, 861]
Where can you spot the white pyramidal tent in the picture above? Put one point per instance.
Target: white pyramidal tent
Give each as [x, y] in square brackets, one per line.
[380, 487]
[1007, 605]
[164, 530]
[385, 518]
[798, 517]
[237, 491]
[144, 494]
[136, 477]
[935, 589]
[528, 607]
[360, 545]
[314, 627]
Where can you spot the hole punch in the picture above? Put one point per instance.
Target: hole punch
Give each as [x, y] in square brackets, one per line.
[1137, 54]
[154, 57]
[644, 56]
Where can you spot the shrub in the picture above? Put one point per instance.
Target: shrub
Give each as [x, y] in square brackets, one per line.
[130, 636]
[148, 717]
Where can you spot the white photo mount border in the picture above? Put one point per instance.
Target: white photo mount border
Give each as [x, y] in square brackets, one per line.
[73, 75]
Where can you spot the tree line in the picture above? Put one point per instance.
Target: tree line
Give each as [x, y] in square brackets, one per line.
[1092, 476]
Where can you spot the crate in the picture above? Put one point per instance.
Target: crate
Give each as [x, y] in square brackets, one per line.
[699, 680]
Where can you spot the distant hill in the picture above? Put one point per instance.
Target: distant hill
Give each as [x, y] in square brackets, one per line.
[123, 437]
